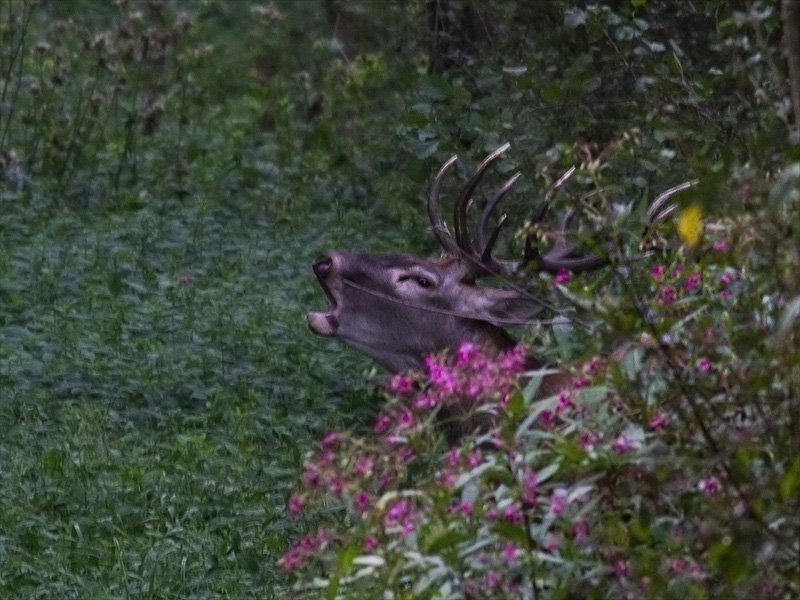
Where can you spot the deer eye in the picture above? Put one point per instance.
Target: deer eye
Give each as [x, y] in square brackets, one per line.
[423, 282]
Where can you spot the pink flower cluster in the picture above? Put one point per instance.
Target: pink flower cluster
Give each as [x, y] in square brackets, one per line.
[675, 284]
[468, 378]
[305, 548]
[401, 517]
[710, 486]
[685, 567]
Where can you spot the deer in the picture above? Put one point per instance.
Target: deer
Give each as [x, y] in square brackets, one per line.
[399, 308]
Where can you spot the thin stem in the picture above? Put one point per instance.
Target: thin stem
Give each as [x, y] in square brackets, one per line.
[16, 57]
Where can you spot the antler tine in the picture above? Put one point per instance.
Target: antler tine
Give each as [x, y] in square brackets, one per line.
[435, 213]
[541, 210]
[554, 188]
[460, 216]
[559, 257]
[480, 230]
[486, 256]
[652, 216]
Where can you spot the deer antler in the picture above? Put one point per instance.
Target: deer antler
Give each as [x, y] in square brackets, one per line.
[478, 252]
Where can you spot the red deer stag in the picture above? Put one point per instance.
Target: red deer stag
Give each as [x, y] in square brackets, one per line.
[398, 308]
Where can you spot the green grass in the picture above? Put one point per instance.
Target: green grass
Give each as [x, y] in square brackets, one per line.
[158, 383]
[159, 387]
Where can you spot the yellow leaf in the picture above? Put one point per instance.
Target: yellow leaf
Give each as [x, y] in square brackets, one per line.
[690, 225]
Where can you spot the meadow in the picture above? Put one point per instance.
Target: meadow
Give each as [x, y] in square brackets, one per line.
[168, 171]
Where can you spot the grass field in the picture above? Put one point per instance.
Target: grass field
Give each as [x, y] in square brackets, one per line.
[159, 387]
[158, 383]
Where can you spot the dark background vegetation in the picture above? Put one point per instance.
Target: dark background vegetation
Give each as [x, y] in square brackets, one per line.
[168, 170]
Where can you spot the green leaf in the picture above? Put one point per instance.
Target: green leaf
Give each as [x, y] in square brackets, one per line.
[515, 405]
[344, 561]
[731, 562]
[512, 532]
[790, 482]
[445, 541]
[553, 93]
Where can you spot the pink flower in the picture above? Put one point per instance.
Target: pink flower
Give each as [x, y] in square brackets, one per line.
[398, 510]
[580, 382]
[466, 351]
[677, 566]
[441, 377]
[513, 513]
[331, 439]
[474, 458]
[621, 569]
[336, 485]
[370, 544]
[564, 403]
[470, 589]
[563, 276]
[720, 246]
[580, 530]
[446, 479]
[401, 385]
[312, 477]
[546, 418]
[452, 458]
[406, 453]
[407, 528]
[588, 439]
[361, 502]
[710, 486]
[293, 558]
[385, 480]
[668, 295]
[382, 423]
[703, 365]
[515, 359]
[530, 483]
[492, 581]
[657, 273]
[558, 502]
[726, 278]
[296, 505]
[509, 553]
[406, 419]
[658, 421]
[363, 466]
[622, 445]
[425, 402]
[692, 282]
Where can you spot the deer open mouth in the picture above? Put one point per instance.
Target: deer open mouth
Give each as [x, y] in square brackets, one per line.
[324, 323]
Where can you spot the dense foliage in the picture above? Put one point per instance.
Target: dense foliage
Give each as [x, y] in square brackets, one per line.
[168, 168]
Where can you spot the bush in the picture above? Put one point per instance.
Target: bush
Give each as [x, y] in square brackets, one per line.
[672, 473]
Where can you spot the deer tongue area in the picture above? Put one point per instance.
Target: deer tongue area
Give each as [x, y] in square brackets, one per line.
[324, 323]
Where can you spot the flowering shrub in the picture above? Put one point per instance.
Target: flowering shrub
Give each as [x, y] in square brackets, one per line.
[670, 470]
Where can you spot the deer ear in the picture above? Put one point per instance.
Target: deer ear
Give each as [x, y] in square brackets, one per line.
[504, 307]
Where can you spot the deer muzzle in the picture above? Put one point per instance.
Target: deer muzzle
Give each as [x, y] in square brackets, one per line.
[324, 323]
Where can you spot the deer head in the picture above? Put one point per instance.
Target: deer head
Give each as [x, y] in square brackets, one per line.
[398, 308]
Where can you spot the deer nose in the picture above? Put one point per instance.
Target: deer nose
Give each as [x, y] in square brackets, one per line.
[322, 265]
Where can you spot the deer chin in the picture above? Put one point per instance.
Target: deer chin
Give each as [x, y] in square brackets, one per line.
[325, 324]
